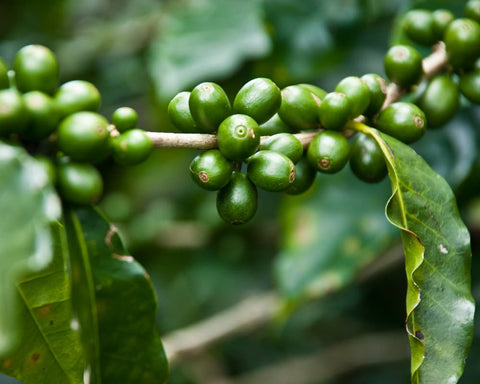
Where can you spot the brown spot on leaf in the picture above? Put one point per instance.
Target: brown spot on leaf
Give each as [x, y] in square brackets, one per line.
[34, 357]
[44, 311]
[7, 363]
[419, 335]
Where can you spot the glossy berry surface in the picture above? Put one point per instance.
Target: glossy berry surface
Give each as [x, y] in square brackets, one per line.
[462, 43]
[209, 106]
[237, 201]
[83, 136]
[211, 170]
[403, 65]
[273, 126]
[42, 115]
[470, 85]
[270, 170]
[76, 96]
[260, 99]
[404, 121]
[286, 144]
[124, 119]
[328, 152]
[237, 137]
[304, 177]
[335, 111]
[299, 108]
[472, 10]
[13, 112]
[366, 159]
[36, 69]
[441, 20]
[418, 25]
[179, 113]
[357, 92]
[378, 92]
[79, 183]
[131, 147]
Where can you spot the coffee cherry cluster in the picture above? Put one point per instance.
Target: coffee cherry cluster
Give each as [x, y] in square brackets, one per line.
[62, 124]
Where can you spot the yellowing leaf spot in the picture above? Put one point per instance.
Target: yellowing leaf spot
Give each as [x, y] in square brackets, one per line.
[44, 311]
[7, 363]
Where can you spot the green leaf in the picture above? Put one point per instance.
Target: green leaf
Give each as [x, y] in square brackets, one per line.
[120, 302]
[440, 307]
[201, 40]
[50, 351]
[28, 204]
[331, 234]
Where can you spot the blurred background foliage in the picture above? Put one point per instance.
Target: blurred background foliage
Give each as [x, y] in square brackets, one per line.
[313, 249]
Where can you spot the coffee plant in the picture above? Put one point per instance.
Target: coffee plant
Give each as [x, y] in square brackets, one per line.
[76, 307]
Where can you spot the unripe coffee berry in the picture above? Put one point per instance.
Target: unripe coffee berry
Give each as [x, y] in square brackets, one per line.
[286, 144]
[131, 147]
[472, 10]
[209, 106]
[441, 19]
[470, 85]
[378, 93]
[237, 137]
[179, 113]
[260, 99]
[462, 43]
[76, 96]
[403, 65]
[124, 119]
[237, 201]
[304, 177]
[366, 159]
[43, 115]
[270, 170]
[357, 92]
[79, 183]
[13, 112]
[328, 152]
[418, 25]
[211, 170]
[335, 111]
[273, 126]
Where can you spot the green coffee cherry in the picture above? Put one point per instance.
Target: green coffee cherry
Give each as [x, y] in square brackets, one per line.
[179, 113]
[403, 65]
[299, 108]
[418, 25]
[273, 126]
[441, 19]
[472, 10]
[211, 170]
[357, 92]
[237, 201]
[366, 159]
[286, 144]
[131, 147]
[335, 111]
[79, 183]
[440, 100]
[462, 43]
[270, 170]
[404, 121]
[48, 166]
[84, 136]
[209, 106]
[237, 137]
[328, 152]
[4, 80]
[378, 93]
[76, 96]
[124, 119]
[260, 99]
[317, 91]
[13, 112]
[304, 177]
[36, 69]
[470, 85]
[43, 115]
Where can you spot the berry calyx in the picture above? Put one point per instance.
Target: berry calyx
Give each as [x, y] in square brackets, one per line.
[211, 170]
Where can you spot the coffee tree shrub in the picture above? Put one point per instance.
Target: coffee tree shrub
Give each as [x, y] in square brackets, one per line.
[76, 307]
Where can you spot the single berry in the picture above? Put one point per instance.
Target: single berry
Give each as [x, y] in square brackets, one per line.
[76, 96]
[209, 106]
[211, 170]
[124, 119]
[304, 177]
[237, 201]
[273, 126]
[270, 170]
[404, 121]
[131, 147]
[79, 183]
[36, 69]
[260, 99]
[13, 112]
[441, 19]
[366, 159]
[328, 152]
[418, 25]
[403, 65]
[462, 43]
[357, 92]
[378, 92]
[299, 108]
[286, 144]
[472, 10]
[470, 85]
[440, 100]
[43, 115]
[237, 137]
[84, 136]
[4, 80]
[335, 111]
[317, 91]
[179, 113]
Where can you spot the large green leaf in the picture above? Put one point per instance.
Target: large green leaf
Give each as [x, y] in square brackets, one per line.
[331, 234]
[116, 303]
[440, 307]
[28, 205]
